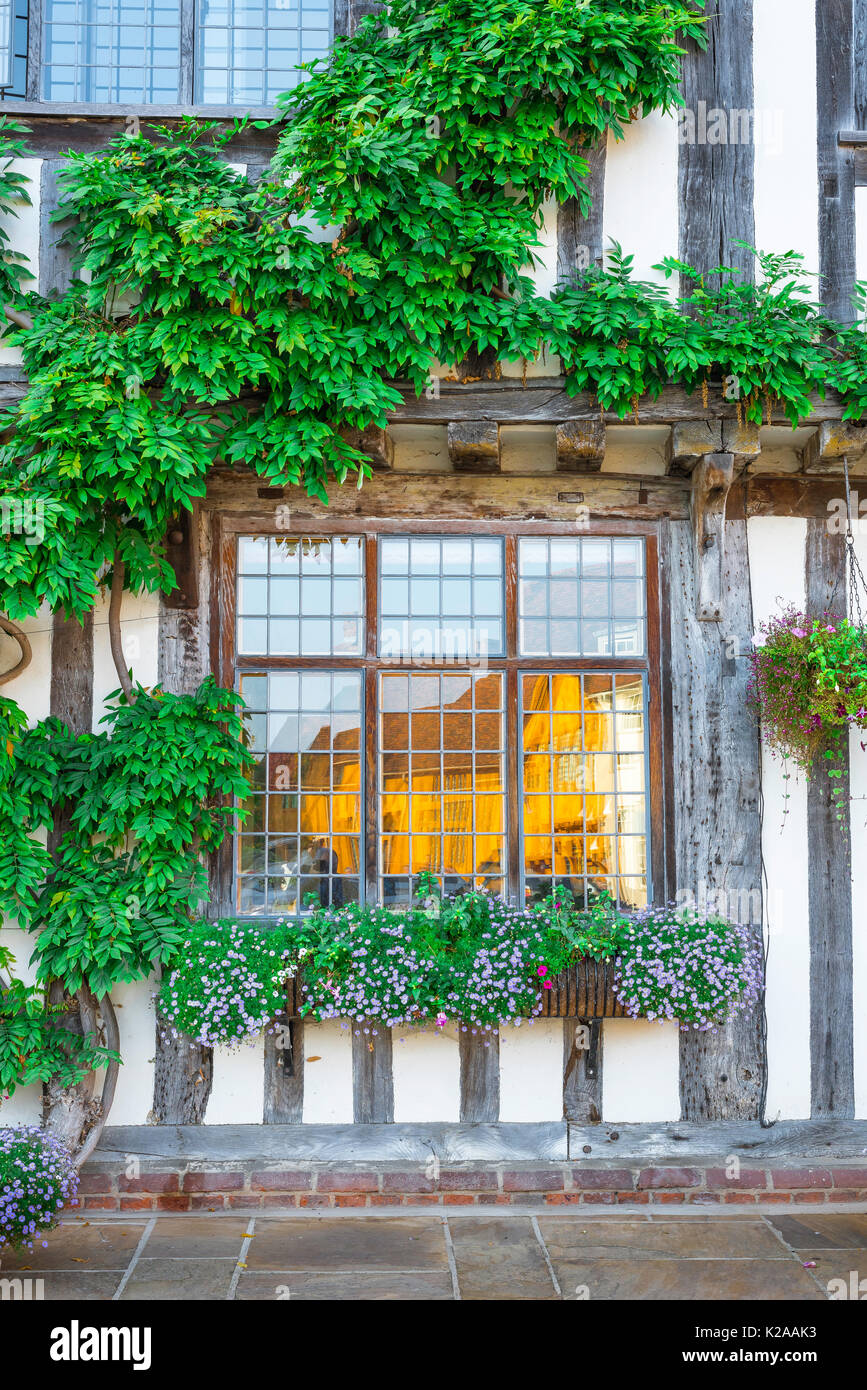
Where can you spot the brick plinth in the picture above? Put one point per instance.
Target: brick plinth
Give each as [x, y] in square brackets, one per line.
[186, 1187]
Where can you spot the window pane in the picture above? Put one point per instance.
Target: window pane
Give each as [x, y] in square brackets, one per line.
[113, 51]
[247, 51]
[583, 758]
[441, 599]
[581, 596]
[441, 802]
[300, 596]
[303, 832]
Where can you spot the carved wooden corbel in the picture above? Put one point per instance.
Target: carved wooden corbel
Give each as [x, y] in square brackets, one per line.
[474, 446]
[711, 480]
[580, 446]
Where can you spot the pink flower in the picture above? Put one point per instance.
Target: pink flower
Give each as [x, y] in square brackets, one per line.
[547, 985]
[829, 628]
[441, 1020]
[543, 970]
[798, 632]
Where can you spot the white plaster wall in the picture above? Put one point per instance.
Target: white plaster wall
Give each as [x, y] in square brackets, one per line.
[134, 1096]
[784, 81]
[25, 1106]
[238, 1089]
[328, 1078]
[858, 787]
[777, 549]
[640, 1071]
[531, 1071]
[32, 689]
[427, 1075]
[641, 199]
[861, 233]
[22, 227]
[139, 617]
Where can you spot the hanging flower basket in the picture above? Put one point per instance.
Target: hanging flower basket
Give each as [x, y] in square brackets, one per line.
[809, 688]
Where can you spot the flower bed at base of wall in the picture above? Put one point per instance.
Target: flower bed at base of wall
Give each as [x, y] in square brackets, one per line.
[37, 1179]
[472, 958]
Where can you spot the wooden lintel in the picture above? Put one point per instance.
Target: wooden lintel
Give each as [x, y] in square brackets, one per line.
[474, 446]
[833, 441]
[580, 446]
[181, 555]
[711, 480]
[690, 441]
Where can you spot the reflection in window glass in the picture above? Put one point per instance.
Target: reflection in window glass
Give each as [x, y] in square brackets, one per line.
[300, 596]
[303, 831]
[15, 11]
[584, 792]
[441, 781]
[581, 597]
[441, 598]
[115, 51]
[247, 51]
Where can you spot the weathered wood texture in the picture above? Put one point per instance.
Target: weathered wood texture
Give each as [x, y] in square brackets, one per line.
[582, 1071]
[55, 271]
[284, 1073]
[543, 401]
[584, 991]
[480, 1077]
[372, 1075]
[55, 129]
[835, 46]
[580, 242]
[72, 671]
[711, 483]
[69, 1110]
[717, 826]
[183, 1072]
[348, 14]
[716, 178]
[829, 848]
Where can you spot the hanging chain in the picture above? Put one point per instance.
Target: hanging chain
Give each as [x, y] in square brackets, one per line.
[852, 569]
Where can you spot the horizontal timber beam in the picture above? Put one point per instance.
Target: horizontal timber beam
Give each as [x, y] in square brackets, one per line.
[544, 401]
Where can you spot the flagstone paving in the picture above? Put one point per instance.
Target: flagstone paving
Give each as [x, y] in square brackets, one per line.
[516, 1255]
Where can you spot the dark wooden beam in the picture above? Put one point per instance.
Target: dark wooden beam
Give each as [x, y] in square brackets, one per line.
[284, 1073]
[835, 42]
[480, 1077]
[715, 755]
[181, 553]
[582, 1071]
[372, 1075]
[71, 697]
[716, 179]
[711, 482]
[580, 242]
[55, 259]
[829, 850]
[183, 1073]
[544, 401]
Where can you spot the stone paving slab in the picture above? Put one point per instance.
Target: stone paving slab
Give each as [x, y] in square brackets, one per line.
[431, 1255]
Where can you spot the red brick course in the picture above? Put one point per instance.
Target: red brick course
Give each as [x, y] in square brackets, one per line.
[318, 1186]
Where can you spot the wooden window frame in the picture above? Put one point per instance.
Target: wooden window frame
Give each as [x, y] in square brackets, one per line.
[34, 104]
[225, 663]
